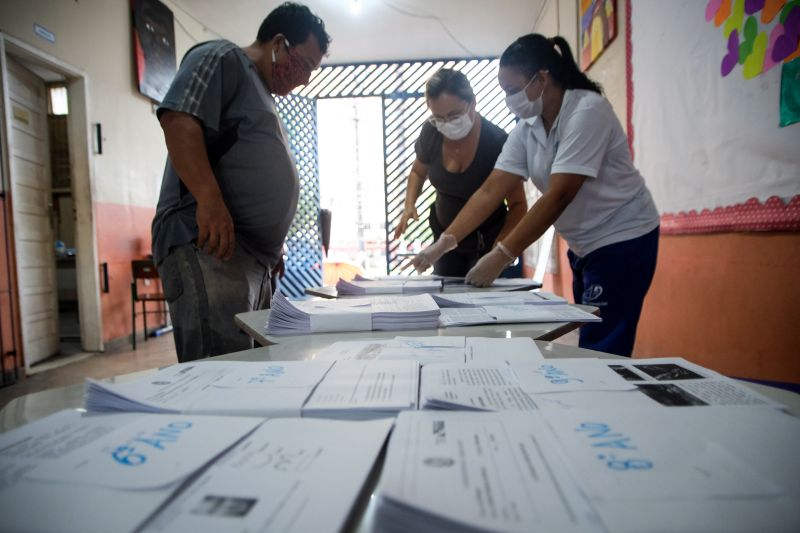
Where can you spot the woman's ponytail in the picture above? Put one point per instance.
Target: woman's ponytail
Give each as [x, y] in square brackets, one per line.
[534, 52]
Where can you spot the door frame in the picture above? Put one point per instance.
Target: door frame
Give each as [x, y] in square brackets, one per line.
[79, 133]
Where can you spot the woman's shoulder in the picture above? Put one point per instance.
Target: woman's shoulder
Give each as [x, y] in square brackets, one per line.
[582, 100]
[428, 134]
[492, 131]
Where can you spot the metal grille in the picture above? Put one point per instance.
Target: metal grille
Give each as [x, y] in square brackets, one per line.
[401, 86]
[303, 267]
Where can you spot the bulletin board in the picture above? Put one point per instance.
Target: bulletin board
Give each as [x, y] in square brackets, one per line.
[708, 118]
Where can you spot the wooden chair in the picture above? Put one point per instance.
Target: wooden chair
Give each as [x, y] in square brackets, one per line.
[145, 269]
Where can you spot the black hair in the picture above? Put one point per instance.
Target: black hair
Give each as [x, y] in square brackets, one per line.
[534, 52]
[450, 81]
[296, 22]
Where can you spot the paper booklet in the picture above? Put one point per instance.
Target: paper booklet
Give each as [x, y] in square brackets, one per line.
[74, 472]
[365, 390]
[481, 299]
[472, 387]
[360, 314]
[447, 471]
[663, 382]
[269, 388]
[513, 314]
[290, 475]
[684, 470]
[360, 288]
[438, 349]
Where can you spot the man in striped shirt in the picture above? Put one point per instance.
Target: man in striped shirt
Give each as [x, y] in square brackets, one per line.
[230, 186]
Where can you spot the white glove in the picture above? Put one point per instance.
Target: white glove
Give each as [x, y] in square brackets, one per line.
[490, 266]
[427, 257]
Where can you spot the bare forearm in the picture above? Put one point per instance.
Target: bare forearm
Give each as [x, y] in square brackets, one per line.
[535, 222]
[413, 189]
[482, 203]
[187, 152]
[517, 207]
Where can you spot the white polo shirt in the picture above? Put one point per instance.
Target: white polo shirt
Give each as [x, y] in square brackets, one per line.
[613, 204]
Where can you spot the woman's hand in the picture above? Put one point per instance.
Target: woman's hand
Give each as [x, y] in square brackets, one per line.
[490, 266]
[427, 257]
[409, 213]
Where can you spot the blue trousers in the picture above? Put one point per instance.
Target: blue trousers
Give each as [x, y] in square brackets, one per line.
[614, 278]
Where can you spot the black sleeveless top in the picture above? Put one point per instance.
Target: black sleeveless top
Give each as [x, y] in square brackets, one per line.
[453, 189]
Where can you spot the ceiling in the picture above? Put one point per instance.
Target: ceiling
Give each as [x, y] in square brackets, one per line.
[381, 30]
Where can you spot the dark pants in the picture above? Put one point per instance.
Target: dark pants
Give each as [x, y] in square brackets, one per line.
[205, 293]
[614, 278]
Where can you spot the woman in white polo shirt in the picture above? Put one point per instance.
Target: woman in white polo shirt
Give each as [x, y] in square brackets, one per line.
[571, 145]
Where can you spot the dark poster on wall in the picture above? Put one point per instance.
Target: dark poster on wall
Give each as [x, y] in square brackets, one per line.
[153, 47]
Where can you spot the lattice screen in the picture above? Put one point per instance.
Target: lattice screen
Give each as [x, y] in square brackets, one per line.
[401, 86]
[304, 242]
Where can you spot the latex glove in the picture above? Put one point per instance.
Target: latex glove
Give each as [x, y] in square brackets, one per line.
[409, 213]
[427, 257]
[490, 266]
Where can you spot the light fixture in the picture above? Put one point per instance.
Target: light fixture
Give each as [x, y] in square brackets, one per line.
[355, 7]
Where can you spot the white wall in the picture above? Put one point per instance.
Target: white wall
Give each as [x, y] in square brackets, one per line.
[95, 36]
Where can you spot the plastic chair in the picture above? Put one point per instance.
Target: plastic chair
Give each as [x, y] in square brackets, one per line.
[144, 269]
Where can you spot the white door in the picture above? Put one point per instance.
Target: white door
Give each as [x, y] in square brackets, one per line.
[31, 197]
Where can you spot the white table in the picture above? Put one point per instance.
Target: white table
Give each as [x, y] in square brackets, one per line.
[254, 324]
[361, 518]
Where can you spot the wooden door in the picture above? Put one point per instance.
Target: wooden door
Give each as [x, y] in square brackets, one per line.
[31, 213]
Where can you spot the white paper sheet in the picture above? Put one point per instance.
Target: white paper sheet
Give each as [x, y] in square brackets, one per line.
[38, 450]
[365, 389]
[422, 349]
[516, 350]
[214, 387]
[150, 452]
[569, 375]
[472, 386]
[647, 454]
[290, 475]
[448, 471]
[480, 299]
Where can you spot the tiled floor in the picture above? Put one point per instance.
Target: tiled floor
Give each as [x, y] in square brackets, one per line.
[156, 352]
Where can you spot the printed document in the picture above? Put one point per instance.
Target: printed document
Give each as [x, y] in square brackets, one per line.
[448, 471]
[75, 472]
[364, 390]
[269, 388]
[472, 386]
[290, 475]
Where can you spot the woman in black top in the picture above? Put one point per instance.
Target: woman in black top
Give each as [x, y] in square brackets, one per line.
[456, 150]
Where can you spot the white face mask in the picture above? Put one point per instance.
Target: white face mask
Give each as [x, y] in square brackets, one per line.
[519, 104]
[456, 128]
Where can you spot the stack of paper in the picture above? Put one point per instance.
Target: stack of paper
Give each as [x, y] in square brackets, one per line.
[684, 470]
[360, 288]
[421, 349]
[439, 349]
[449, 471]
[655, 383]
[472, 387]
[289, 475]
[101, 473]
[569, 375]
[365, 390]
[362, 314]
[482, 299]
[513, 314]
[276, 388]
